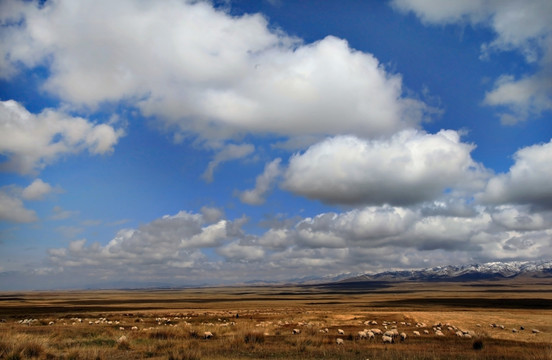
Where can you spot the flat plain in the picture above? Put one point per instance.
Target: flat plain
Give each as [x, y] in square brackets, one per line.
[477, 320]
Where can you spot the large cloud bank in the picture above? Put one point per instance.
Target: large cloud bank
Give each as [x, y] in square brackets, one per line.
[200, 70]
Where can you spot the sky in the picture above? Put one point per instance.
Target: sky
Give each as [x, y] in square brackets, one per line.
[187, 143]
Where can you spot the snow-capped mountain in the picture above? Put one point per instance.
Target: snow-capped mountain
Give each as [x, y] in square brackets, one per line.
[491, 270]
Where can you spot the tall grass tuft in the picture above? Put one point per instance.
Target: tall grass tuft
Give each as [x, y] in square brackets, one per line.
[254, 338]
[185, 354]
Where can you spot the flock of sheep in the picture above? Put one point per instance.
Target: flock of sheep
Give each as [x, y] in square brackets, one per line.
[387, 332]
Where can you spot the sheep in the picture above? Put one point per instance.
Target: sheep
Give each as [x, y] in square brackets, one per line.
[296, 331]
[362, 335]
[135, 328]
[121, 328]
[339, 341]
[376, 331]
[340, 332]
[426, 332]
[403, 336]
[370, 335]
[51, 323]
[535, 331]
[387, 339]
[439, 333]
[417, 333]
[207, 335]
[122, 339]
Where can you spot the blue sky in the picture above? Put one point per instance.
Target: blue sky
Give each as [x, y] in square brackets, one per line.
[189, 143]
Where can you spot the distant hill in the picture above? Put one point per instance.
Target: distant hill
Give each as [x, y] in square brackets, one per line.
[472, 272]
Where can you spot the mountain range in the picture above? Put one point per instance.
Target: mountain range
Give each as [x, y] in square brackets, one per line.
[471, 272]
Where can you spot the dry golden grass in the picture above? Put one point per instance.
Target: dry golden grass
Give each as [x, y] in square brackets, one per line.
[258, 322]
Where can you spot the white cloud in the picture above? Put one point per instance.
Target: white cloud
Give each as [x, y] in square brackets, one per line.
[58, 213]
[519, 25]
[521, 218]
[527, 181]
[227, 153]
[263, 184]
[12, 209]
[409, 168]
[37, 190]
[235, 251]
[174, 248]
[200, 70]
[211, 214]
[30, 142]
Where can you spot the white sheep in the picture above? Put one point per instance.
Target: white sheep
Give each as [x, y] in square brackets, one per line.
[340, 332]
[387, 339]
[362, 335]
[296, 331]
[207, 335]
[339, 341]
[403, 336]
[417, 333]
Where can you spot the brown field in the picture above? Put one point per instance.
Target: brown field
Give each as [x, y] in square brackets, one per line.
[257, 322]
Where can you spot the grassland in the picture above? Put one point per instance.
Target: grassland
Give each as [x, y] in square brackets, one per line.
[258, 322]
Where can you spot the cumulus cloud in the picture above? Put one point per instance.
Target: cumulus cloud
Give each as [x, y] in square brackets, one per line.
[215, 75]
[227, 153]
[12, 197]
[235, 251]
[12, 208]
[170, 241]
[175, 247]
[519, 25]
[30, 142]
[37, 190]
[527, 181]
[410, 167]
[263, 184]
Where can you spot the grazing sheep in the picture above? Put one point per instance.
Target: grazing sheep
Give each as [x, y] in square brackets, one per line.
[535, 331]
[340, 332]
[417, 333]
[296, 331]
[122, 339]
[387, 339]
[514, 330]
[459, 333]
[339, 341]
[370, 335]
[403, 336]
[135, 328]
[362, 335]
[51, 323]
[121, 328]
[426, 332]
[376, 331]
[207, 335]
[439, 333]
